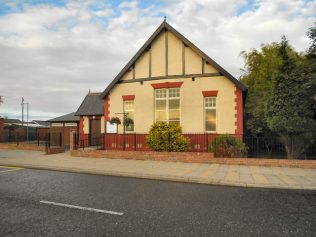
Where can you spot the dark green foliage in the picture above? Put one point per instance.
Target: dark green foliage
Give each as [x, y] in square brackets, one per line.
[115, 120]
[228, 146]
[312, 35]
[166, 137]
[261, 68]
[128, 121]
[289, 110]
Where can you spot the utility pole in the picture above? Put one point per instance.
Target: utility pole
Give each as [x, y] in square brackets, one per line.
[1, 99]
[22, 110]
[27, 118]
[27, 121]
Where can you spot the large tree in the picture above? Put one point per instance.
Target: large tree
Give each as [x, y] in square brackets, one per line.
[289, 107]
[261, 69]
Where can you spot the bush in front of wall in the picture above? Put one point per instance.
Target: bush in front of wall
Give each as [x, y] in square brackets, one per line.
[166, 137]
[228, 146]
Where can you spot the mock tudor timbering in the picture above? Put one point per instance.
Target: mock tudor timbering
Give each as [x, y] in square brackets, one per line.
[170, 79]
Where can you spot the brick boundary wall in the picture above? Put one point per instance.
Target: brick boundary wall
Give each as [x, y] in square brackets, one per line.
[54, 150]
[22, 146]
[191, 157]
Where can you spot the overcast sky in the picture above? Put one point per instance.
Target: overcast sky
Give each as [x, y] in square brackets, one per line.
[53, 52]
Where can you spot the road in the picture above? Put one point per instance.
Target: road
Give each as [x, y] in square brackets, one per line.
[145, 207]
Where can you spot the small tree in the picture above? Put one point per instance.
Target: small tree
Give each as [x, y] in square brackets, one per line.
[289, 110]
[228, 146]
[166, 137]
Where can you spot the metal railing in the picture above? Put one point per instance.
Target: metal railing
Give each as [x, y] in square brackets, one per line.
[257, 147]
[47, 139]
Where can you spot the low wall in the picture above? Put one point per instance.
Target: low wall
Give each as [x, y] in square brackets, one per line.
[191, 157]
[54, 150]
[22, 146]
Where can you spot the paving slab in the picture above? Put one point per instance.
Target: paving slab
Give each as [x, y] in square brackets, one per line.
[246, 178]
[233, 175]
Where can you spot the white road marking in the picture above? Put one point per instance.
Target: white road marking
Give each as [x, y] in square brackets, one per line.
[13, 169]
[82, 208]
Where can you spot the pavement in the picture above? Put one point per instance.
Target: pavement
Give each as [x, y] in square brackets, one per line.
[219, 174]
[52, 203]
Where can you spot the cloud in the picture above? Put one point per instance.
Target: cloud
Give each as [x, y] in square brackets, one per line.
[52, 54]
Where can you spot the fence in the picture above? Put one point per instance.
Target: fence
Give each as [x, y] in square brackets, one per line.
[47, 139]
[198, 142]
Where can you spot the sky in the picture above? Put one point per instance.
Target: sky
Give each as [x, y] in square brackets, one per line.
[53, 52]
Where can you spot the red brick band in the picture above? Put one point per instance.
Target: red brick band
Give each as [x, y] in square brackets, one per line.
[167, 85]
[128, 97]
[209, 93]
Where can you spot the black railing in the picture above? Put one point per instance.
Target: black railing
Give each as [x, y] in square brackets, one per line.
[95, 142]
[257, 147]
[45, 139]
[39, 139]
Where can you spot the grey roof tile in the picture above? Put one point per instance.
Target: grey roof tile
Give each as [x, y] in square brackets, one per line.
[91, 105]
[66, 118]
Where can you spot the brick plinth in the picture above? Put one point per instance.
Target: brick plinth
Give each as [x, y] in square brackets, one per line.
[192, 157]
[22, 146]
[54, 150]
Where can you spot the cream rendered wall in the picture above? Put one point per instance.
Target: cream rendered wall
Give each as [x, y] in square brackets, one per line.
[143, 104]
[158, 56]
[191, 103]
[174, 55]
[86, 125]
[193, 62]
[128, 75]
[209, 68]
[142, 66]
[102, 124]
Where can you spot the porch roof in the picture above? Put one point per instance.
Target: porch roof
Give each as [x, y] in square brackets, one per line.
[91, 105]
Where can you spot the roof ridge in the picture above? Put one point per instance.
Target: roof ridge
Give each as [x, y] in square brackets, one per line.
[94, 93]
[168, 27]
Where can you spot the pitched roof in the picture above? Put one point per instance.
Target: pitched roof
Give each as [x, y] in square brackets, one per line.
[164, 25]
[12, 120]
[65, 118]
[91, 105]
[40, 122]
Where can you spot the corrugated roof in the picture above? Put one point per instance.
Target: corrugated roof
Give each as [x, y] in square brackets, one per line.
[91, 105]
[165, 26]
[66, 118]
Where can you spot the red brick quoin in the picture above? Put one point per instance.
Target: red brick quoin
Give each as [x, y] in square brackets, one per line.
[238, 111]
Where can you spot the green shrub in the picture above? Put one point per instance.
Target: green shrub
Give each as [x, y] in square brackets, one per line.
[166, 137]
[228, 146]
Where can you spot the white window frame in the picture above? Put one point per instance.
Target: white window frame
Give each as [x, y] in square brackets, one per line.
[127, 111]
[167, 98]
[209, 107]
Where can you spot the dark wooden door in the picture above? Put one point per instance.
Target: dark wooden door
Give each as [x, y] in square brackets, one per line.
[95, 132]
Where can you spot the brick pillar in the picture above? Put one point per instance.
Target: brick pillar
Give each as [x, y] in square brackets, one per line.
[71, 140]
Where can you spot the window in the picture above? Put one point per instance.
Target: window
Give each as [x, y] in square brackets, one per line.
[167, 105]
[129, 108]
[210, 114]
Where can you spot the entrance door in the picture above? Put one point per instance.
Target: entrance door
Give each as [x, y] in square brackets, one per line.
[95, 132]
